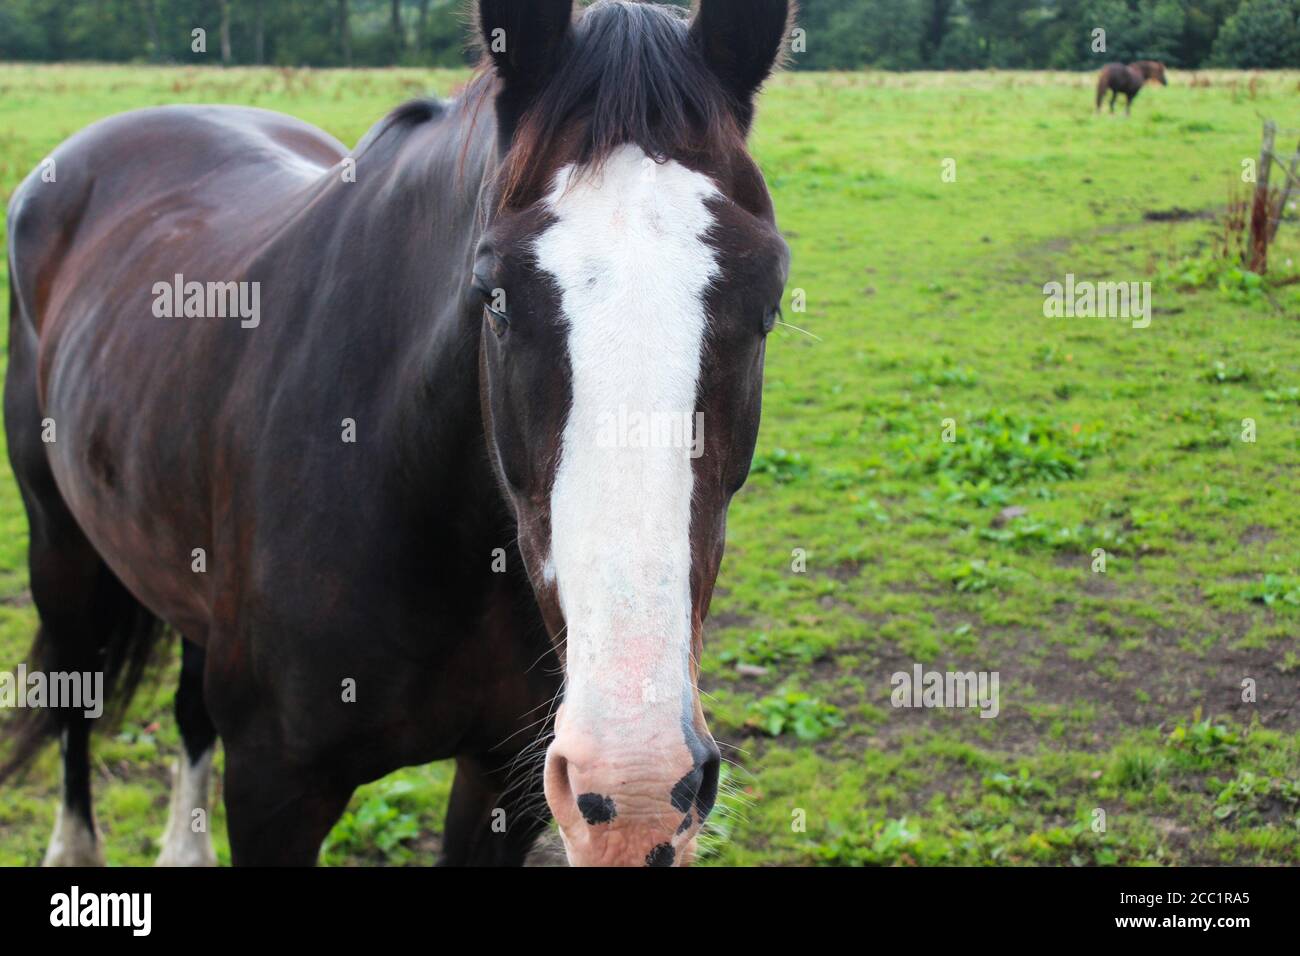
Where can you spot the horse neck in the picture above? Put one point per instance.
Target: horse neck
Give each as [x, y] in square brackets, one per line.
[438, 433]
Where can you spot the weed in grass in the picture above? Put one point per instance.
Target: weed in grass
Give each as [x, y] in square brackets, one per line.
[807, 717]
[1202, 743]
[1275, 591]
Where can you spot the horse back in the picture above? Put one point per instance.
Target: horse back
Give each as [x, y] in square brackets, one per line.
[114, 179]
[114, 211]
[1120, 78]
[180, 432]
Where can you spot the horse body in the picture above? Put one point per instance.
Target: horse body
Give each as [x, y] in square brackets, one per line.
[1116, 78]
[345, 505]
[211, 449]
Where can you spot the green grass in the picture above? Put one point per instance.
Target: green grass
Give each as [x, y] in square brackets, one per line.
[865, 542]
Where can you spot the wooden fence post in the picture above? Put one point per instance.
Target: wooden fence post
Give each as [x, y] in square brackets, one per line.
[1286, 192]
[1259, 213]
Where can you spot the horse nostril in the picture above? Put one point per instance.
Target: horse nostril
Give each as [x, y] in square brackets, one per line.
[708, 792]
[699, 788]
[562, 792]
[559, 791]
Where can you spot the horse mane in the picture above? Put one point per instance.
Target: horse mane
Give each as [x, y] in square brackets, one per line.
[409, 114]
[631, 75]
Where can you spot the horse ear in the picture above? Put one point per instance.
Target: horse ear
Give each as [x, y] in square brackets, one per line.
[741, 41]
[525, 39]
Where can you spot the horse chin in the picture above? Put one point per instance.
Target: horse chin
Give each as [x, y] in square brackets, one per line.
[629, 847]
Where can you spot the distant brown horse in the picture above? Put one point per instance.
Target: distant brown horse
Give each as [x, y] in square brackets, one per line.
[1118, 78]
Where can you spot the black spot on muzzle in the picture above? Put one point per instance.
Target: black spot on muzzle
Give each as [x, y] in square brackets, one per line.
[662, 855]
[596, 808]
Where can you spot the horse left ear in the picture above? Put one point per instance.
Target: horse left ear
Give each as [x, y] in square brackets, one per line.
[741, 41]
[525, 38]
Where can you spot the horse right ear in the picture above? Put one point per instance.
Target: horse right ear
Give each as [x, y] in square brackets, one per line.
[525, 39]
[742, 42]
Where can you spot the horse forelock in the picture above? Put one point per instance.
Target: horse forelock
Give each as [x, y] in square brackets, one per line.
[630, 77]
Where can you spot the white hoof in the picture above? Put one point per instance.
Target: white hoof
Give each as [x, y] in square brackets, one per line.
[73, 843]
[187, 841]
[193, 852]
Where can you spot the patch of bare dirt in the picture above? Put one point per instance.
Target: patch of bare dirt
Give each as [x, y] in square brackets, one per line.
[1154, 683]
[1176, 214]
[1256, 534]
[725, 619]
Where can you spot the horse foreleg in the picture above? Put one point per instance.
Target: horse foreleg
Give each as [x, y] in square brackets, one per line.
[278, 813]
[495, 815]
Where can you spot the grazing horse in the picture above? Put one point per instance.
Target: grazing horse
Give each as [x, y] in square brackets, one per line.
[1116, 78]
[380, 434]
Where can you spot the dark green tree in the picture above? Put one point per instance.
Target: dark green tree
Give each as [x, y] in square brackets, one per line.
[840, 34]
[1262, 33]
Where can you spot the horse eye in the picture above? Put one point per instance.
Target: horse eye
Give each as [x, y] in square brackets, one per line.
[498, 321]
[769, 321]
[493, 306]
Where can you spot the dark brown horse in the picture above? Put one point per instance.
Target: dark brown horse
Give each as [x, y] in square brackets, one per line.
[381, 434]
[1116, 78]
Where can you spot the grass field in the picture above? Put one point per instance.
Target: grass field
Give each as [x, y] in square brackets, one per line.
[1120, 691]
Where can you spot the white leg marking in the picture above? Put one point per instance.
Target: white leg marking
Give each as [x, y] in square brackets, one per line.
[629, 256]
[73, 843]
[188, 840]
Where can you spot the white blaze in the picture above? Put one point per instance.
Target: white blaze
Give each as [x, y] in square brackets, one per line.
[628, 255]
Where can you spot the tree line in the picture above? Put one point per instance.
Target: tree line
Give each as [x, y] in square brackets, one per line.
[836, 34]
